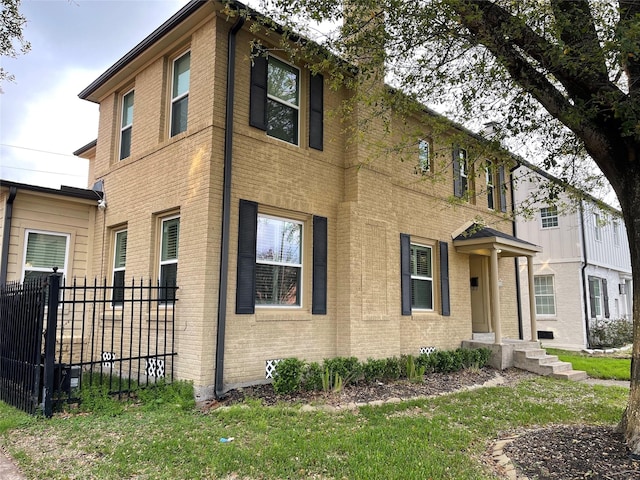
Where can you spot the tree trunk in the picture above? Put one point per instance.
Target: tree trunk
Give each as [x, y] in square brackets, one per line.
[630, 202]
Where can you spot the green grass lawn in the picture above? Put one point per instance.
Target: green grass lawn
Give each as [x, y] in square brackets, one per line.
[436, 438]
[596, 366]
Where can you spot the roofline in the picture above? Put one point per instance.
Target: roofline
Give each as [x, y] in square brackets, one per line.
[64, 191]
[84, 148]
[158, 33]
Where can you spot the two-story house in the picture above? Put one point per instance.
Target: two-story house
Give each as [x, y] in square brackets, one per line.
[224, 173]
[583, 273]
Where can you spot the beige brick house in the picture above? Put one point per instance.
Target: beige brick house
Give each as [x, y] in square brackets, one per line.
[227, 175]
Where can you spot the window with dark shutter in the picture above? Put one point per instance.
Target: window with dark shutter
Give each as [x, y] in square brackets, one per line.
[502, 178]
[405, 273]
[605, 298]
[258, 91]
[444, 278]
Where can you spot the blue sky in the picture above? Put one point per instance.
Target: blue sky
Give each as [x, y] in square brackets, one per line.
[42, 120]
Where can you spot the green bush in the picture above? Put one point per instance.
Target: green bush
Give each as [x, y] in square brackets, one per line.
[393, 368]
[288, 376]
[610, 333]
[312, 377]
[349, 368]
[162, 394]
[374, 370]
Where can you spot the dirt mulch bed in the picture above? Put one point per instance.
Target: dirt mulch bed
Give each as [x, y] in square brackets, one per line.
[559, 452]
[575, 452]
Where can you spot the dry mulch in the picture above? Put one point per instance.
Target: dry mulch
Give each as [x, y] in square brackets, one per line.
[559, 452]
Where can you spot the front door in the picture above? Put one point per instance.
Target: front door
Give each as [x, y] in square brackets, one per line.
[479, 284]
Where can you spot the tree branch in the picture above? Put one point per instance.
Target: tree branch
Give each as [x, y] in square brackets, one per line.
[630, 51]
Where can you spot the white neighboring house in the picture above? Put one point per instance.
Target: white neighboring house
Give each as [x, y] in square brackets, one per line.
[582, 275]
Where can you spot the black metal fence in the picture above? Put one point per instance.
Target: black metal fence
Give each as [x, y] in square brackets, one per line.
[118, 338]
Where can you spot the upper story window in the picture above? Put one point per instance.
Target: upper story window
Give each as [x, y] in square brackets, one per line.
[489, 173]
[544, 295]
[421, 277]
[43, 252]
[460, 172]
[168, 274]
[180, 93]
[126, 125]
[616, 233]
[278, 261]
[283, 100]
[424, 156]
[597, 225]
[549, 217]
[119, 264]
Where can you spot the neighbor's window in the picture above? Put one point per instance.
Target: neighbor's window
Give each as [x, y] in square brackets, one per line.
[126, 125]
[283, 94]
[616, 233]
[421, 277]
[595, 296]
[119, 263]
[424, 156]
[169, 241]
[180, 93]
[544, 295]
[490, 185]
[597, 225]
[43, 252]
[278, 261]
[549, 217]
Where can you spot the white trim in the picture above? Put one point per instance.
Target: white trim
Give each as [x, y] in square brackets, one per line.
[62, 270]
[179, 97]
[117, 269]
[556, 216]
[127, 126]
[285, 103]
[424, 278]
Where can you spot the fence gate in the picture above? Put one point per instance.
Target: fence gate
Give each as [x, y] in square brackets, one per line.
[21, 332]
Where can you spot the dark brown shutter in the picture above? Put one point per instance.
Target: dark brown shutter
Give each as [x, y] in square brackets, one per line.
[592, 298]
[405, 273]
[503, 188]
[605, 298]
[457, 181]
[258, 92]
[246, 277]
[444, 279]
[316, 111]
[319, 296]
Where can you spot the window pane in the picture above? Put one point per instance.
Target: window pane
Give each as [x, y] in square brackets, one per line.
[421, 294]
[282, 121]
[46, 251]
[121, 250]
[127, 109]
[544, 295]
[170, 239]
[549, 217]
[30, 276]
[277, 285]
[424, 156]
[168, 282]
[282, 81]
[278, 241]
[118, 288]
[179, 116]
[420, 261]
[181, 73]
[125, 143]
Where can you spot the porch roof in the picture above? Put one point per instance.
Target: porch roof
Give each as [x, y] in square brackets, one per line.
[479, 240]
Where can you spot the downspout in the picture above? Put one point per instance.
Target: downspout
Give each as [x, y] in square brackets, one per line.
[6, 234]
[585, 300]
[516, 259]
[226, 208]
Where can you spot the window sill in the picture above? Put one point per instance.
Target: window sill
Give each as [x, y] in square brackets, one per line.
[282, 316]
[541, 318]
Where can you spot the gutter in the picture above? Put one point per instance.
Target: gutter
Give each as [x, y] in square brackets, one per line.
[226, 208]
[6, 234]
[583, 269]
[515, 259]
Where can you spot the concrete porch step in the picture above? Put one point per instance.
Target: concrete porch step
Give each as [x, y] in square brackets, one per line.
[575, 375]
[537, 361]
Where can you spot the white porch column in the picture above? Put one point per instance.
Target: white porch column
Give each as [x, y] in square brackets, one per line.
[495, 295]
[532, 300]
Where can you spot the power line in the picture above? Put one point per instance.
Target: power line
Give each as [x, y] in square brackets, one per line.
[44, 171]
[36, 150]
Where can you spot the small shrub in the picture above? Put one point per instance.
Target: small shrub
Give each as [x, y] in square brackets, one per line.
[427, 361]
[331, 381]
[312, 377]
[611, 333]
[349, 368]
[288, 376]
[374, 370]
[393, 368]
[414, 373]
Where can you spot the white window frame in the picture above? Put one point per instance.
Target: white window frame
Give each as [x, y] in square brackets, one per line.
[179, 97]
[172, 261]
[49, 269]
[597, 227]
[491, 188]
[284, 102]
[115, 268]
[463, 160]
[549, 217]
[300, 265]
[598, 298]
[424, 156]
[422, 278]
[616, 233]
[128, 126]
[551, 295]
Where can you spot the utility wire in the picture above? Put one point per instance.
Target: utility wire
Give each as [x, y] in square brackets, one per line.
[36, 150]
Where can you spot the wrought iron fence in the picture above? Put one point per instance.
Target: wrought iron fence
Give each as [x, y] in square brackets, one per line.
[120, 338]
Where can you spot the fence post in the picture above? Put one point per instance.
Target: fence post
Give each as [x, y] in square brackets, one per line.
[50, 343]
